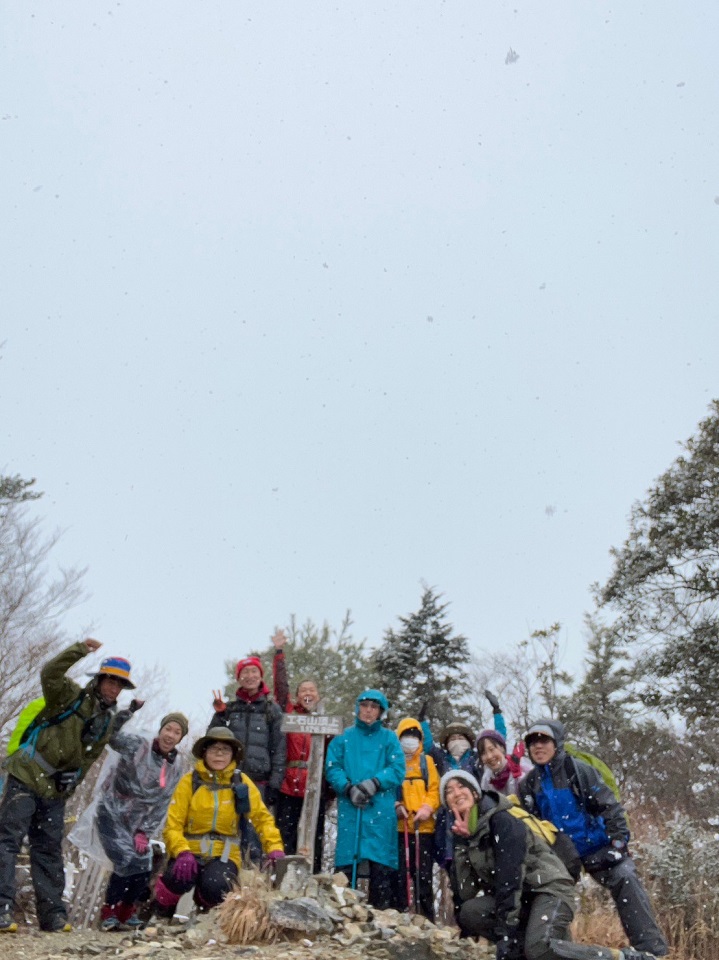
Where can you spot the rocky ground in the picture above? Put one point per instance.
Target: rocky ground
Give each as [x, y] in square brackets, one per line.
[310, 917]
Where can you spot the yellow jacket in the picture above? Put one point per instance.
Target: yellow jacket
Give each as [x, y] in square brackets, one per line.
[205, 821]
[414, 792]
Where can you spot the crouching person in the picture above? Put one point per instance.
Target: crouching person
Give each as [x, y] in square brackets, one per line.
[509, 886]
[204, 822]
[132, 805]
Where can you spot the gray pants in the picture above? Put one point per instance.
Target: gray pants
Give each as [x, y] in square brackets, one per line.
[23, 812]
[633, 906]
[544, 918]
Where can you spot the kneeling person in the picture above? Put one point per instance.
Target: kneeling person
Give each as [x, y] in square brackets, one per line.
[508, 885]
[578, 802]
[202, 834]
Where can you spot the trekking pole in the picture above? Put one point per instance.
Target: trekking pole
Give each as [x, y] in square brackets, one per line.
[407, 871]
[416, 867]
[357, 844]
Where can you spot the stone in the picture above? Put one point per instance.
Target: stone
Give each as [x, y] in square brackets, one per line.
[300, 914]
[340, 880]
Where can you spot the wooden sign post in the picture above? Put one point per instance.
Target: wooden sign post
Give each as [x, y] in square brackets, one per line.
[318, 726]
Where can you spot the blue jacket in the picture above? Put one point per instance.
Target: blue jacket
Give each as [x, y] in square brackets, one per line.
[360, 753]
[574, 797]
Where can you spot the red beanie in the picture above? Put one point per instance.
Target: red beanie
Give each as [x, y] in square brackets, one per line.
[249, 662]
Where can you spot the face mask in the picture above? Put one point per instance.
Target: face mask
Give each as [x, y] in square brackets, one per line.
[410, 744]
[459, 746]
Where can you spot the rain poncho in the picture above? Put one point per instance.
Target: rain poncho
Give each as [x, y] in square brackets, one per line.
[134, 793]
[360, 753]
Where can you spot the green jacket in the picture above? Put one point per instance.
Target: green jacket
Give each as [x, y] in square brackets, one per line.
[75, 743]
[505, 859]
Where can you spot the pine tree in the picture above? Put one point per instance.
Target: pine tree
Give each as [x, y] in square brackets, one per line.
[665, 582]
[426, 662]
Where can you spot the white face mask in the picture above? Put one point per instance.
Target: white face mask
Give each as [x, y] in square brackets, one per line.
[410, 744]
[459, 746]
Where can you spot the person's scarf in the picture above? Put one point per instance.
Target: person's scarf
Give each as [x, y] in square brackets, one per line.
[510, 769]
[263, 691]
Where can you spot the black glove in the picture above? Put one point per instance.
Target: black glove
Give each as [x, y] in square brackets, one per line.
[272, 795]
[508, 945]
[136, 705]
[493, 702]
[422, 715]
[606, 858]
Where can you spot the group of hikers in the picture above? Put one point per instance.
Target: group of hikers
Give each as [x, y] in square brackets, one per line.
[512, 830]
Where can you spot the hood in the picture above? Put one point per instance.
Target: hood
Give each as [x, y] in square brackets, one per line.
[372, 695]
[556, 726]
[409, 723]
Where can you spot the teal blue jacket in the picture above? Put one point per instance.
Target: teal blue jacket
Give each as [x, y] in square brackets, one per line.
[360, 753]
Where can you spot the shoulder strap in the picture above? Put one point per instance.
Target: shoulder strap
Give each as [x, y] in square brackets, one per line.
[424, 769]
[34, 728]
[237, 785]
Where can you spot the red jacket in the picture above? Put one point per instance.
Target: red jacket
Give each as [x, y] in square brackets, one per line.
[298, 744]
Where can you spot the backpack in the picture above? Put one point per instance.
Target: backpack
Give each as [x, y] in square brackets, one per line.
[27, 715]
[26, 736]
[424, 773]
[561, 844]
[599, 765]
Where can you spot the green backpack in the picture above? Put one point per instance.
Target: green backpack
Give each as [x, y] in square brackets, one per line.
[27, 715]
[599, 765]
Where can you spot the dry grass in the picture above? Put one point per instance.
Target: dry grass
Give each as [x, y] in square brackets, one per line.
[244, 913]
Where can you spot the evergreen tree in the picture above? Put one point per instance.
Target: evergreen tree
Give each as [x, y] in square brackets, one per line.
[426, 662]
[665, 581]
[600, 712]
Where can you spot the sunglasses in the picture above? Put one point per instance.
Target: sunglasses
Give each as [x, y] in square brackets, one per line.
[538, 738]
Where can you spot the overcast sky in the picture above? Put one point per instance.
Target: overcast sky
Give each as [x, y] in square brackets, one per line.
[305, 304]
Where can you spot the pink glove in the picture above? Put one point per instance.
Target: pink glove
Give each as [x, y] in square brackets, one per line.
[276, 855]
[185, 868]
[141, 842]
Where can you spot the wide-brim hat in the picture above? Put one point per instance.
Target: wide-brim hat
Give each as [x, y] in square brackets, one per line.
[218, 735]
[116, 667]
[457, 729]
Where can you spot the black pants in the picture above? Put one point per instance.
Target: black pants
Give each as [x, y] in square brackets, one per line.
[287, 816]
[128, 890]
[214, 878]
[23, 812]
[421, 883]
[633, 906]
[543, 918]
[382, 880]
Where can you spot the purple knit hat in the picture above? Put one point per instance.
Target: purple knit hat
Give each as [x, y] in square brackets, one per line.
[491, 735]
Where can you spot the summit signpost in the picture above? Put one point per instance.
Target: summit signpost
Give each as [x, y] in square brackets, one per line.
[318, 727]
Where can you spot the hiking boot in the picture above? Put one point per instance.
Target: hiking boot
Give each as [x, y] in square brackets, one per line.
[110, 923]
[133, 922]
[7, 924]
[58, 924]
